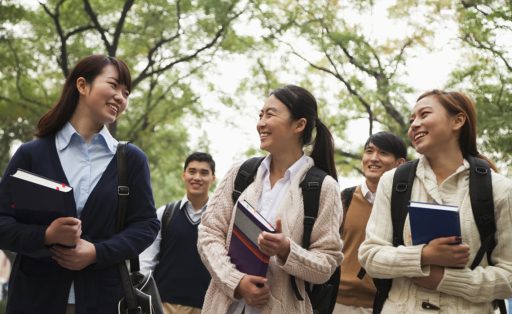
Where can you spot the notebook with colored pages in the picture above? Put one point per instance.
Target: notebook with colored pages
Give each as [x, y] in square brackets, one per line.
[243, 248]
[431, 221]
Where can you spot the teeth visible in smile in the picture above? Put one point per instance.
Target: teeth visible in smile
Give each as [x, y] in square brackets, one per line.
[420, 135]
[373, 167]
[116, 109]
[264, 134]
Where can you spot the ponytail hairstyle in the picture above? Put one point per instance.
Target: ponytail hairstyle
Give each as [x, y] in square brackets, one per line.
[455, 103]
[88, 68]
[302, 104]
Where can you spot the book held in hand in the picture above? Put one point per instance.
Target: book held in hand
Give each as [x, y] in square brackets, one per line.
[243, 248]
[431, 221]
[36, 199]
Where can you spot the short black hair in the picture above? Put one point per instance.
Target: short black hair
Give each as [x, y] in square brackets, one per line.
[388, 142]
[200, 156]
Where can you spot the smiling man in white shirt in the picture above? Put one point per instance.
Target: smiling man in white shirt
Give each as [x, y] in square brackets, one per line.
[181, 278]
[382, 151]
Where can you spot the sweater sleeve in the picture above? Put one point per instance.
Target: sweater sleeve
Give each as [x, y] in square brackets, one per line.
[377, 254]
[212, 235]
[486, 283]
[16, 236]
[318, 262]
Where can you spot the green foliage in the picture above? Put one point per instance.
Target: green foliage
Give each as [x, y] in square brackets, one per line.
[487, 73]
[168, 45]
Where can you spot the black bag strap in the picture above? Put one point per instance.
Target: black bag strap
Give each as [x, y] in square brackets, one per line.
[245, 176]
[400, 196]
[346, 199]
[123, 191]
[482, 204]
[311, 187]
[168, 215]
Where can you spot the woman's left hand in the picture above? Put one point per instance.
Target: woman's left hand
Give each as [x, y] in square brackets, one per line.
[275, 243]
[83, 255]
[431, 281]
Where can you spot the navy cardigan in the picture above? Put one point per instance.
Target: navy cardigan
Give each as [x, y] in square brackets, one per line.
[40, 285]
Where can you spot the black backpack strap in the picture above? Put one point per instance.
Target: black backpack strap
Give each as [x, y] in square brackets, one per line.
[482, 204]
[311, 187]
[346, 199]
[400, 197]
[403, 180]
[245, 176]
[168, 214]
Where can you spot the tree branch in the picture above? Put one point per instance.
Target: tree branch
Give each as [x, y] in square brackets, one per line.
[472, 41]
[119, 27]
[63, 59]
[94, 19]
[18, 77]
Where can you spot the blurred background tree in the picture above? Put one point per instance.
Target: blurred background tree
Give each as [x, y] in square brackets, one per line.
[357, 67]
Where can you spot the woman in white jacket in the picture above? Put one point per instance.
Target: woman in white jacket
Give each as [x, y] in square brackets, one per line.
[286, 125]
[436, 277]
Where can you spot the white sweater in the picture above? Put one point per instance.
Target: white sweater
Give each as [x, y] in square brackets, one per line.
[315, 265]
[460, 290]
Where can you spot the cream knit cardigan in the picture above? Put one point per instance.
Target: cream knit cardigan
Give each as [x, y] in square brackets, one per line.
[315, 265]
[460, 290]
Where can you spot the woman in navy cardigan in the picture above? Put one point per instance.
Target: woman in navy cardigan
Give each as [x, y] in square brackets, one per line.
[69, 264]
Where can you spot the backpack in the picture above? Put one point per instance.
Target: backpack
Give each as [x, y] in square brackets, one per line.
[482, 203]
[346, 199]
[322, 296]
[169, 212]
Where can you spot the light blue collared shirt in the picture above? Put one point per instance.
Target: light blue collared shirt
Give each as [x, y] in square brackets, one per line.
[83, 164]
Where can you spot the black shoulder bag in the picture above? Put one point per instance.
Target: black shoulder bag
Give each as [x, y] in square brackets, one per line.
[140, 291]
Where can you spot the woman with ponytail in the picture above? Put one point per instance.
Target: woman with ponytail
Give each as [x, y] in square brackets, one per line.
[286, 124]
[437, 276]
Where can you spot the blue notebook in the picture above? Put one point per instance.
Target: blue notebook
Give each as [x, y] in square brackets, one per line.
[430, 221]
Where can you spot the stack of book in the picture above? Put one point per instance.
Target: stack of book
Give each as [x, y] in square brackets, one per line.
[243, 248]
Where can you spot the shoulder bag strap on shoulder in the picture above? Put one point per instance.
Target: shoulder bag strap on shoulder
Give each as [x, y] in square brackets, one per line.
[245, 176]
[167, 216]
[123, 191]
[311, 187]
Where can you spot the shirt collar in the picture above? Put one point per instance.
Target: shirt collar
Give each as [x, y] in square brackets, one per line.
[290, 172]
[64, 136]
[184, 203]
[68, 132]
[367, 194]
[108, 139]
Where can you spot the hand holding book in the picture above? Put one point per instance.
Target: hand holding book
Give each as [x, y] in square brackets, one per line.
[447, 252]
[275, 243]
[63, 231]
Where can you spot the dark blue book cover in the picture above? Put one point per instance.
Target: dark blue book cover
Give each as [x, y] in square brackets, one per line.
[430, 221]
[36, 199]
[243, 248]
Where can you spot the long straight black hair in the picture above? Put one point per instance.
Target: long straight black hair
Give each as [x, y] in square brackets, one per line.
[88, 68]
[302, 104]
